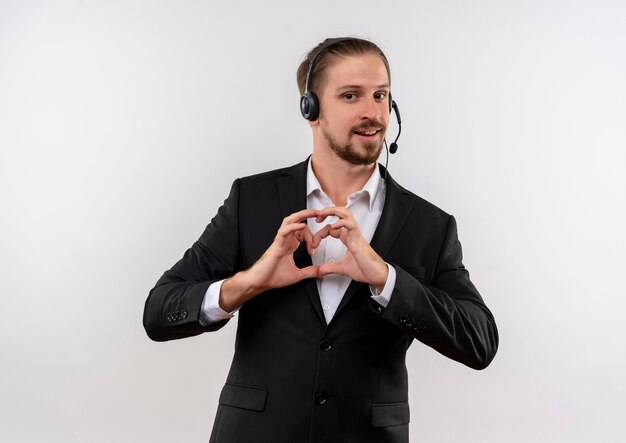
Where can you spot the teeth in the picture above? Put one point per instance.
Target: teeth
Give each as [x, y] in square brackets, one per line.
[372, 132]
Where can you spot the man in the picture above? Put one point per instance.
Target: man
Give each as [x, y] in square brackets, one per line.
[333, 270]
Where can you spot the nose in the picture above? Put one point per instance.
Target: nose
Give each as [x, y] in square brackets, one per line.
[372, 109]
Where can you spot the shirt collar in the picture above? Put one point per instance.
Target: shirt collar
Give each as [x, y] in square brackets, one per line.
[371, 187]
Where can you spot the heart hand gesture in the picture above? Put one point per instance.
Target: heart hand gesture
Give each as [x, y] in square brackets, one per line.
[361, 262]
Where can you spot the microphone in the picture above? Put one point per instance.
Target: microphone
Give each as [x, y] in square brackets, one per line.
[393, 148]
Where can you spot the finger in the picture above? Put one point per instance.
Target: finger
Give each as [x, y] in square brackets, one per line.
[284, 231]
[337, 211]
[300, 216]
[320, 235]
[308, 272]
[321, 218]
[308, 238]
[336, 233]
[299, 235]
[329, 268]
[344, 223]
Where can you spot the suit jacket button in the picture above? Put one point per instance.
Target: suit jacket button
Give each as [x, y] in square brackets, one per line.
[326, 345]
[185, 314]
[403, 318]
[320, 398]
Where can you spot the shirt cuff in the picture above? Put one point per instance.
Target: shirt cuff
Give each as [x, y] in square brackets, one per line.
[383, 297]
[210, 311]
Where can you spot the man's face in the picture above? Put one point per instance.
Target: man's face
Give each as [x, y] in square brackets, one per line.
[354, 108]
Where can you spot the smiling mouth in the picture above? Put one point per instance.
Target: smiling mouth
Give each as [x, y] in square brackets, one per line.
[368, 133]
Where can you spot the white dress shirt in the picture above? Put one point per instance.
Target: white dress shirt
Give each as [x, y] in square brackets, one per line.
[367, 206]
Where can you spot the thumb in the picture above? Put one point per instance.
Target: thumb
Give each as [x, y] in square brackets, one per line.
[329, 268]
[308, 272]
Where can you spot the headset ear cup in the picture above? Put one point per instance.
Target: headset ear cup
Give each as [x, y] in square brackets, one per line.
[309, 106]
[304, 106]
[390, 103]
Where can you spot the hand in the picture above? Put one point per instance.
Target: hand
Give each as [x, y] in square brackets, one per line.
[361, 262]
[276, 268]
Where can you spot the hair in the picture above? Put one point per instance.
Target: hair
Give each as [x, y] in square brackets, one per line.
[351, 46]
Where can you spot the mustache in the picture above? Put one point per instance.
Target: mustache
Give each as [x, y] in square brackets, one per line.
[368, 125]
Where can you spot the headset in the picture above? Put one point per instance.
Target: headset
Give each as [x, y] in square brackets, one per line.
[310, 105]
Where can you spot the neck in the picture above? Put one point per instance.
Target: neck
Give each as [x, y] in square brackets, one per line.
[338, 178]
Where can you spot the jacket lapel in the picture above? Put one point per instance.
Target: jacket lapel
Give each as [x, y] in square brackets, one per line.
[292, 194]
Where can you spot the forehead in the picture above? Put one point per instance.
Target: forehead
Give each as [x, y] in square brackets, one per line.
[366, 70]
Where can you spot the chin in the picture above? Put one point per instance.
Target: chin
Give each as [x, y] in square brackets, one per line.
[361, 153]
[366, 156]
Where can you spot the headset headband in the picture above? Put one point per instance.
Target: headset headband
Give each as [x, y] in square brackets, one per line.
[309, 73]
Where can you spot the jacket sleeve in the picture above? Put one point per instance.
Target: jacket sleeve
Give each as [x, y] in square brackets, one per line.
[447, 314]
[172, 309]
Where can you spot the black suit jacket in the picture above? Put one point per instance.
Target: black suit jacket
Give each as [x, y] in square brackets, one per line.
[295, 378]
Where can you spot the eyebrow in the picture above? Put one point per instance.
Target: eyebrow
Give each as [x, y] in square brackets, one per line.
[384, 85]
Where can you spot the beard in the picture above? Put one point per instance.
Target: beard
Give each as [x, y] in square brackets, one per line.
[346, 151]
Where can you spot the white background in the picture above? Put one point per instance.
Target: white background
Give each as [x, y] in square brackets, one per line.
[124, 123]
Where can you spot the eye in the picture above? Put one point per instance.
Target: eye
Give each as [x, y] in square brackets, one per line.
[350, 96]
[380, 95]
